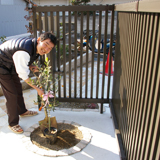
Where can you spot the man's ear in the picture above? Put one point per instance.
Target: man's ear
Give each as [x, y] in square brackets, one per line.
[38, 39]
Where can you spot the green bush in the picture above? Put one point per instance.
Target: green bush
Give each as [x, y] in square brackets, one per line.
[61, 49]
[3, 39]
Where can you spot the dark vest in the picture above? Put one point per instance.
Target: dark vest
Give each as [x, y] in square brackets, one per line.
[8, 48]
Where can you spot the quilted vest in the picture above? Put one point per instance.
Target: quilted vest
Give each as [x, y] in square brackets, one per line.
[8, 48]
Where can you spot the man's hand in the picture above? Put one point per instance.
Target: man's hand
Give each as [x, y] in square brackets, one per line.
[39, 91]
[34, 68]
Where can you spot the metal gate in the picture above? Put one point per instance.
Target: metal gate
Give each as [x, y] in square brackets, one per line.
[82, 69]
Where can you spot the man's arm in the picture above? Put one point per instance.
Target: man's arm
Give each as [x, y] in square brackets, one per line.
[21, 59]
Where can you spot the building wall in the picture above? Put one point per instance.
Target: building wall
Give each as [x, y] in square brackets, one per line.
[67, 2]
[12, 21]
[51, 2]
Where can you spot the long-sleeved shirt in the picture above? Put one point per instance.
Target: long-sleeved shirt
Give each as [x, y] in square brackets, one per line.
[21, 60]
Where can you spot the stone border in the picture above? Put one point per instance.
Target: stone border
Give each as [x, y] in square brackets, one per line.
[64, 152]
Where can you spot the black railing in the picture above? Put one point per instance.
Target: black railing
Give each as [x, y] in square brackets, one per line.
[83, 76]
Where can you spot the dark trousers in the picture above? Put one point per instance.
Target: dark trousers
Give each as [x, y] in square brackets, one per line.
[12, 90]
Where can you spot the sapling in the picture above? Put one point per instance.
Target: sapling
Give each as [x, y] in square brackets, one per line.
[44, 80]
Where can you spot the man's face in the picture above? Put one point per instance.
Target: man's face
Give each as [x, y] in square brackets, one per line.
[44, 47]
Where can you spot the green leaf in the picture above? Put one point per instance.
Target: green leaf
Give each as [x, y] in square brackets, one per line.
[46, 59]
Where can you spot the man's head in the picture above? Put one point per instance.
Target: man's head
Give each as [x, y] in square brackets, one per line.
[45, 43]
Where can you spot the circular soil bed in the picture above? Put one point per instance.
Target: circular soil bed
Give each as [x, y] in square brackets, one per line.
[67, 136]
[72, 138]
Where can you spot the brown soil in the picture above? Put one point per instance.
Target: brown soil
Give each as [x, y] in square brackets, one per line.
[75, 105]
[67, 136]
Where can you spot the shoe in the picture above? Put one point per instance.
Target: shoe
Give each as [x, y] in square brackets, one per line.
[29, 113]
[16, 129]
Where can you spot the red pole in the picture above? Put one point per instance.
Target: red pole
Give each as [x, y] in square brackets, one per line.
[107, 66]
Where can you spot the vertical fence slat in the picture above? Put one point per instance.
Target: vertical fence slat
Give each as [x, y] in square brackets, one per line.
[41, 26]
[75, 48]
[110, 50]
[104, 55]
[64, 56]
[40, 23]
[51, 22]
[98, 54]
[46, 22]
[34, 23]
[86, 80]
[98, 69]
[58, 46]
[81, 55]
[46, 28]
[69, 20]
[93, 47]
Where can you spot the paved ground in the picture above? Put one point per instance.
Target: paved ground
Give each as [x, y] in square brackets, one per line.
[103, 145]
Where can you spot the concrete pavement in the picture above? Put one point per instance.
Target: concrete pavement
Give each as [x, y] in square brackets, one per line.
[103, 144]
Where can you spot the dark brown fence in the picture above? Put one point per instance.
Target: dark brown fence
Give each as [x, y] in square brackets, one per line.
[135, 103]
[83, 72]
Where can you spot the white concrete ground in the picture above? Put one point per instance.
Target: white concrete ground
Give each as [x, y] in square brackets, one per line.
[103, 145]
